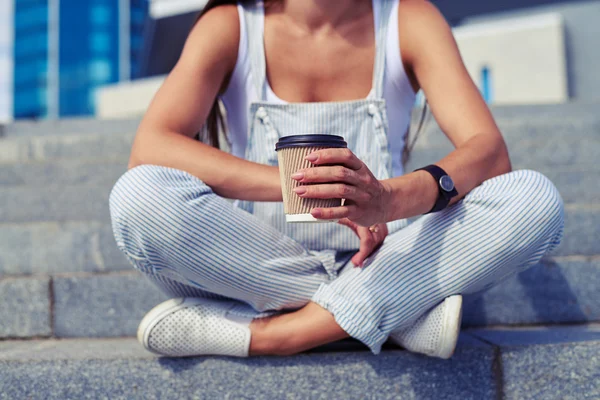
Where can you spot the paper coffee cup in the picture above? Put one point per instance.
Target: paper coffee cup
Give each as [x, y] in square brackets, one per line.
[291, 151]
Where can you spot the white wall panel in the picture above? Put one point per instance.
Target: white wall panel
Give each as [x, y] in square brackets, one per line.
[526, 58]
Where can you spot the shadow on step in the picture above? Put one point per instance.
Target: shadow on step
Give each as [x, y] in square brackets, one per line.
[542, 294]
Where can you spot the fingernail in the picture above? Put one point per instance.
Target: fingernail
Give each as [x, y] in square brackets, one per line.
[311, 157]
[300, 190]
[298, 176]
[316, 212]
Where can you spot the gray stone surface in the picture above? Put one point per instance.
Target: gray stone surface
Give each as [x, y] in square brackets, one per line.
[575, 111]
[119, 348]
[550, 372]
[357, 375]
[576, 185]
[561, 114]
[24, 307]
[548, 362]
[58, 247]
[68, 126]
[582, 232]
[90, 202]
[550, 292]
[72, 349]
[55, 203]
[103, 147]
[539, 335]
[528, 153]
[102, 306]
[564, 292]
[69, 172]
[515, 131]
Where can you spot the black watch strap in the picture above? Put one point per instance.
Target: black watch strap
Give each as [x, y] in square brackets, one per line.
[445, 187]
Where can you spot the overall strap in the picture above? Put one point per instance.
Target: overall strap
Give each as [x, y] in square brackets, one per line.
[381, 10]
[254, 16]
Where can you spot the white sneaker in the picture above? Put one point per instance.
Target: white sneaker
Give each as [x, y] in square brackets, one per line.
[193, 326]
[436, 332]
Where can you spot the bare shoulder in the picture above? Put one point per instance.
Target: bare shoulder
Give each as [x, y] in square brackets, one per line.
[414, 12]
[420, 23]
[214, 39]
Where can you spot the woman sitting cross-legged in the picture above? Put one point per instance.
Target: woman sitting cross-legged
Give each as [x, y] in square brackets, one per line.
[242, 280]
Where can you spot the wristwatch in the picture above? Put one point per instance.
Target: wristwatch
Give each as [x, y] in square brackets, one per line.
[445, 186]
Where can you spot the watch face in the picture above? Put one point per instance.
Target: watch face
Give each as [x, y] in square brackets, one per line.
[446, 183]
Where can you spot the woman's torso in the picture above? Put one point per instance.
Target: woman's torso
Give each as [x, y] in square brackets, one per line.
[397, 90]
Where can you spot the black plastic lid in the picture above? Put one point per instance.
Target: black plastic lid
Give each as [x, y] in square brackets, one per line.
[311, 141]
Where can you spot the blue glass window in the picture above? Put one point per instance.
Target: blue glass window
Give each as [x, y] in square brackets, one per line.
[33, 16]
[88, 52]
[486, 85]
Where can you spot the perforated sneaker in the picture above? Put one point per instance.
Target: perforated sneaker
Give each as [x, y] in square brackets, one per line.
[435, 333]
[193, 326]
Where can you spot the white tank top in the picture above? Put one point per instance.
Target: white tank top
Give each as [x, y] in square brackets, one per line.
[397, 92]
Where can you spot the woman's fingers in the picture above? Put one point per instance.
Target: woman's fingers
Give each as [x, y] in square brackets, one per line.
[349, 224]
[343, 157]
[371, 238]
[333, 191]
[367, 244]
[327, 174]
[334, 212]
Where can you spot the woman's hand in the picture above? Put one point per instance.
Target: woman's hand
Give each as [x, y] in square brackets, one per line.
[371, 239]
[340, 174]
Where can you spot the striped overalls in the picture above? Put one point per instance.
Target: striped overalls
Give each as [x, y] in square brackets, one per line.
[191, 242]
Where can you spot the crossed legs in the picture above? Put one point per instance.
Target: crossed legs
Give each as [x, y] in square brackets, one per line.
[176, 230]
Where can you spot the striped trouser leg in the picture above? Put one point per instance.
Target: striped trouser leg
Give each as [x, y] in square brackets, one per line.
[502, 227]
[191, 242]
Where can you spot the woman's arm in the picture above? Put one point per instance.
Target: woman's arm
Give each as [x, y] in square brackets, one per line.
[181, 106]
[431, 56]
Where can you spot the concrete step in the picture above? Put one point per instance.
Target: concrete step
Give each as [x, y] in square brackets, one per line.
[551, 116]
[59, 247]
[76, 235]
[112, 304]
[67, 172]
[69, 126]
[55, 203]
[512, 364]
[515, 130]
[525, 153]
[533, 146]
[562, 114]
[50, 185]
[552, 113]
[577, 183]
[556, 291]
[107, 147]
[25, 308]
[567, 136]
[581, 233]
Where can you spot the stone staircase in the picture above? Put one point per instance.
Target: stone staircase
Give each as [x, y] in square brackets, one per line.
[70, 302]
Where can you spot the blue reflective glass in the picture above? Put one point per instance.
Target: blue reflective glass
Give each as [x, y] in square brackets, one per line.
[100, 15]
[32, 16]
[100, 71]
[32, 44]
[32, 72]
[29, 103]
[100, 42]
[88, 52]
[487, 85]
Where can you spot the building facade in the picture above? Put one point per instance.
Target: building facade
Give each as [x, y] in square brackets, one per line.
[65, 49]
